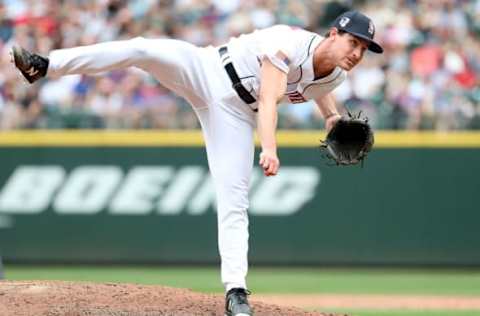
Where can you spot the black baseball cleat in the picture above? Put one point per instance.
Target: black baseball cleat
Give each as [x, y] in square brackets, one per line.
[32, 66]
[237, 303]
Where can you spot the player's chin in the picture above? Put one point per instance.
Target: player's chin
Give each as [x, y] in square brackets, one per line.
[347, 65]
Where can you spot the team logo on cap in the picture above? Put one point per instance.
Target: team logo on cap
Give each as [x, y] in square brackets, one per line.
[371, 28]
[344, 21]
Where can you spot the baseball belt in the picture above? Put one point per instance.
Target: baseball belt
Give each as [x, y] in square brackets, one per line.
[234, 78]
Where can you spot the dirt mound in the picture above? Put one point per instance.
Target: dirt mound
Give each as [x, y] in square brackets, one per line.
[56, 298]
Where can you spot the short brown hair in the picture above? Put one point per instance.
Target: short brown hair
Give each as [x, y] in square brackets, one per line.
[341, 32]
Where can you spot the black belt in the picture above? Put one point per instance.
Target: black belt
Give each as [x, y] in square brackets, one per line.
[234, 78]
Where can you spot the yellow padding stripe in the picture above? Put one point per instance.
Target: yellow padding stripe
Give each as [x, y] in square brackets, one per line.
[180, 138]
[108, 138]
[391, 139]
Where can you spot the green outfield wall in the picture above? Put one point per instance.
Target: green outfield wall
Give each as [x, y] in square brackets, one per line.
[146, 197]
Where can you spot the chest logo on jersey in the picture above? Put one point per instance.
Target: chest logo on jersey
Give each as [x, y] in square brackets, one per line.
[296, 97]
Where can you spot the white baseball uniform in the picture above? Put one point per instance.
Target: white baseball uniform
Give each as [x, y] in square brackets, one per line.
[228, 123]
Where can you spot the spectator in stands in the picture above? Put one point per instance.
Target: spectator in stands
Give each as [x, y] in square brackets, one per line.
[428, 77]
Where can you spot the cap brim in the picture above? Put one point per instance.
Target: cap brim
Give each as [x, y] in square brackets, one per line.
[372, 45]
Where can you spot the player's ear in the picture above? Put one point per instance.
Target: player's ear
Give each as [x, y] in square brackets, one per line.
[333, 32]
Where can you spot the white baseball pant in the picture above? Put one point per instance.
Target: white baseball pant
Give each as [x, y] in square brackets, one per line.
[227, 123]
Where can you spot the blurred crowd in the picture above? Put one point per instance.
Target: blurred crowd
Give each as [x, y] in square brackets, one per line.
[428, 77]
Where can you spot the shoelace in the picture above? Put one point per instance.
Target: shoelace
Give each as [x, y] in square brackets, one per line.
[242, 296]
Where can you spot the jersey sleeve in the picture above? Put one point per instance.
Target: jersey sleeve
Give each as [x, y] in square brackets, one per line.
[282, 45]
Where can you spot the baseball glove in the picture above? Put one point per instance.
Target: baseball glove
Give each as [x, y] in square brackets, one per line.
[349, 141]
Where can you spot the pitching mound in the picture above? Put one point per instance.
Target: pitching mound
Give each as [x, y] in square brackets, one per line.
[55, 298]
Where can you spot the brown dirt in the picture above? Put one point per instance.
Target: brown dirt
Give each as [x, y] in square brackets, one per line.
[413, 302]
[57, 298]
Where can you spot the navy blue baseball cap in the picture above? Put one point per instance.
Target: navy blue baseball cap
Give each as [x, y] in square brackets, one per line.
[358, 25]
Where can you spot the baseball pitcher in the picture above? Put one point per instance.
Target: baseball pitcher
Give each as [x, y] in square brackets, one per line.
[234, 89]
